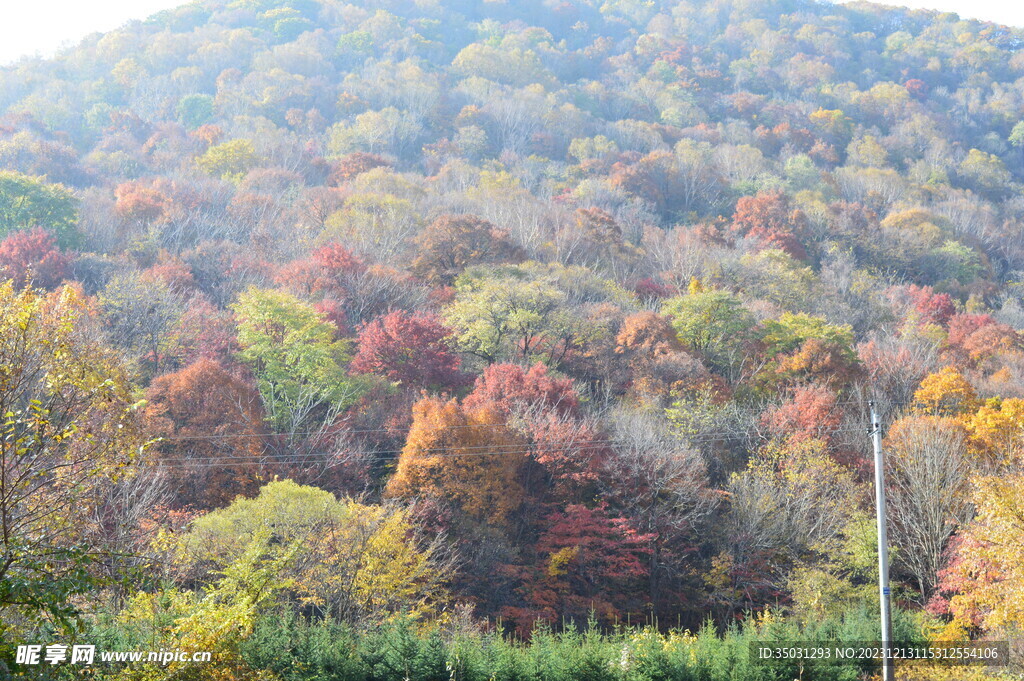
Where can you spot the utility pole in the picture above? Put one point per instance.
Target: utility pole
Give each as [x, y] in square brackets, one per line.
[883, 545]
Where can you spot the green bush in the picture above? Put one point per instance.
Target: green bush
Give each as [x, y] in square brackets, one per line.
[296, 650]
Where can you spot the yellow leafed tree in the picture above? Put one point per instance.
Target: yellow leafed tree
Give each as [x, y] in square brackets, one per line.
[988, 572]
[467, 456]
[69, 430]
[353, 561]
[997, 431]
[945, 393]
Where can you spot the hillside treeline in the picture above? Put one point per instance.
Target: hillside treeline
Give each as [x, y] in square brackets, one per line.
[327, 324]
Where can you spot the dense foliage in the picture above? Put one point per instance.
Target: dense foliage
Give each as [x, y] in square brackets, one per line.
[336, 329]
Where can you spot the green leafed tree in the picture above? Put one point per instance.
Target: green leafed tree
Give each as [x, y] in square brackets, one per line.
[802, 347]
[1017, 135]
[985, 173]
[954, 260]
[588, 148]
[301, 369]
[194, 110]
[790, 331]
[504, 314]
[515, 66]
[358, 42]
[222, 617]
[229, 160]
[523, 312]
[27, 202]
[712, 322]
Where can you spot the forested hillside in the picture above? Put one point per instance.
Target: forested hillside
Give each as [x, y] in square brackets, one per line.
[344, 339]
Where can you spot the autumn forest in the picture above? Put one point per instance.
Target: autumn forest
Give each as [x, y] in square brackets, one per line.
[457, 340]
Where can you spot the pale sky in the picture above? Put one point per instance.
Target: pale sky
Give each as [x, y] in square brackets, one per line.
[1009, 12]
[41, 26]
[28, 27]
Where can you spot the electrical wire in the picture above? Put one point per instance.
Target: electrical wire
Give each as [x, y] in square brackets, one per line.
[362, 431]
[512, 449]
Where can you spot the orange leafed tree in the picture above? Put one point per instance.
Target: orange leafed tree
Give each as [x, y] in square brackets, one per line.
[464, 455]
[654, 177]
[327, 272]
[974, 338]
[212, 423]
[511, 388]
[658, 365]
[453, 242]
[543, 410]
[818, 360]
[770, 219]
[649, 332]
[139, 203]
[33, 256]
[811, 412]
[351, 165]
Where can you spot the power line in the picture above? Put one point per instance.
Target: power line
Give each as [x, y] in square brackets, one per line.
[516, 448]
[469, 450]
[432, 453]
[364, 431]
[370, 455]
